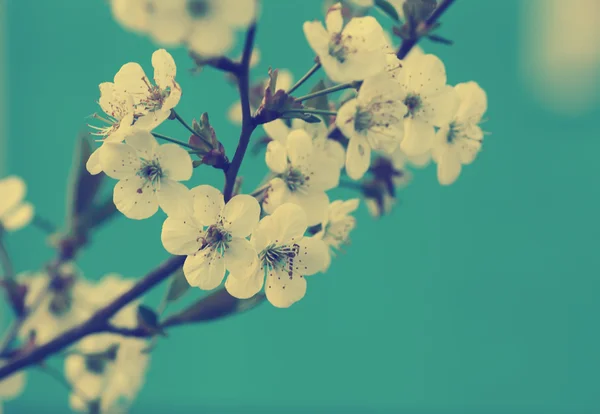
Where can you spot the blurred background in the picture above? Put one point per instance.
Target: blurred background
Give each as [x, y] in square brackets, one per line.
[476, 298]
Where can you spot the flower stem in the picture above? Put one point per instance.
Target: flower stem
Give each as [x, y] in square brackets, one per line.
[310, 111]
[182, 122]
[326, 91]
[175, 141]
[248, 124]
[304, 78]
[422, 29]
[43, 224]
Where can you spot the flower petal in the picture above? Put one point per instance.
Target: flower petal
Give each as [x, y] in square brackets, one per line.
[333, 19]
[314, 205]
[299, 147]
[12, 386]
[181, 236]
[427, 74]
[317, 36]
[264, 234]
[144, 143]
[277, 130]
[132, 79]
[239, 256]
[418, 137]
[19, 217]
[175, 162]
[312, 256]
[289, 223]
[204, 269]
[276, 157]
[175, 199]
[277, 194]
[210, 38]
[443, 105]
[241, 215]
[119, 160]
[208, 204]
[345, 118]
[449, 166]
[12, 191]
[358, 157]
[93, 163]
[152, 119]
[164, 68]
[135, 198]
[283, 290]
[247, 286]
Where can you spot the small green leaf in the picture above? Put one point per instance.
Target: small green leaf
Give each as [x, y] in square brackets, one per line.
[217, 305]
[178, 287]
[148, 319]
[388, 9]
[319, 102]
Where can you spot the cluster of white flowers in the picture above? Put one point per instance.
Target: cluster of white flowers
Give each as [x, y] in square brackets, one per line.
[205, 26]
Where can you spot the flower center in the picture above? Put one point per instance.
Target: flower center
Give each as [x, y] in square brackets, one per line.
[282, 257]
[217, 238]
[413, 103]
[294, 179]
[151, 171]
[95, 364]
[337, 232]
[155, 98]
[362, 120]
[198, 8]
[337, 49]
[61, 303]
[453, 132]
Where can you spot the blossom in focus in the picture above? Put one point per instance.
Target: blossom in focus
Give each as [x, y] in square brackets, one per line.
[12, 386]
[148, 175]
[302, 175]
[207, 27]
[335, 230]
[285, 256]
[354, 52]
[430, 102]
[374, 120]
[459, 142]
[119, 110]
[285, 80]
[152, 102]
[14, 212]
[213, 237]
[278, 130]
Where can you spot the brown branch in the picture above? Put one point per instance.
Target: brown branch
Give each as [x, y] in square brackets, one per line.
[97, 323]
[248, 124]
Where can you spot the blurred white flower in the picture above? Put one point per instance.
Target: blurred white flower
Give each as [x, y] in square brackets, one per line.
[285, 257]
[335, 230]
[279, 131]
[153, 103]
[459, 142]
[132, 14]
[374, 120]
[214, 237]
[430, 102]
[12, 386]
[148, 175]
[349, 53]
[285, 80]
[14, 212]
[303, 173]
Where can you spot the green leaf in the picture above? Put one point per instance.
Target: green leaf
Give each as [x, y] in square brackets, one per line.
[217, 305]
[178, 287]
[83, 186]
[388, 9]
[148, 319]
[319, 102]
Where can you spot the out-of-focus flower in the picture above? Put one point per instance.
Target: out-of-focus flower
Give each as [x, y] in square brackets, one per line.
[12, 386]
[335, 230]
[14, 212]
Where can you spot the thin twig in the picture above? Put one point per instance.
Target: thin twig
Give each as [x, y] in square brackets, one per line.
[175, 141]
[304, 78]
[43, 224]
[248, 124]
[326, 91]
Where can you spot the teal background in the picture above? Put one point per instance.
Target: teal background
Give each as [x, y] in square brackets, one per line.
[477, 298]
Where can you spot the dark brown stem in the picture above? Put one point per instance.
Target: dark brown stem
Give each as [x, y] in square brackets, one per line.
[97, 323]
[248, 124]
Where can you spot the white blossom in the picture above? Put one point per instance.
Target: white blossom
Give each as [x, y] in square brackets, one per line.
[459, 142]
[12, 386]
[349, 53]
[303, 173]
[278, 130]
[153, 102]
[132, 14]
[335, 230]
[213, 237]
[374, 120]
[148, 175]
[430, 102]
[285, 257]
[14, 212]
